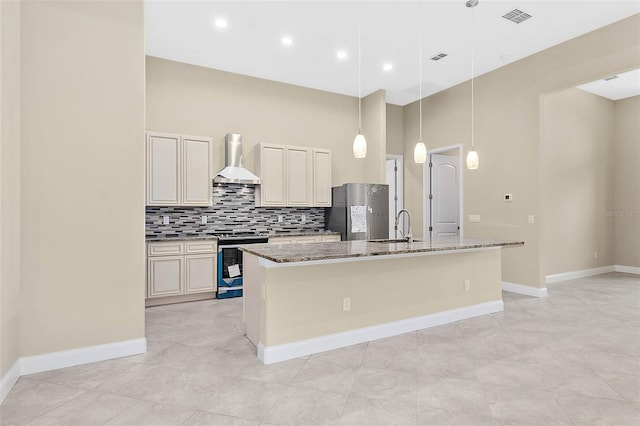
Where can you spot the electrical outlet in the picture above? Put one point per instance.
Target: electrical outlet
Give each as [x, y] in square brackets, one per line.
[531, 219]
[203, 220]
[280, 218]
[303, 218]
[165, 220]
[467, 285]
[474, 218]
[346, 304]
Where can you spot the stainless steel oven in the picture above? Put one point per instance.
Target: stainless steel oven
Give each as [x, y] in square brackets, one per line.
[230, 262]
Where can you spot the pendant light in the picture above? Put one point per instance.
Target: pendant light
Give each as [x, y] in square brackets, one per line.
[472, 156]
[359, 143]
[420, 150]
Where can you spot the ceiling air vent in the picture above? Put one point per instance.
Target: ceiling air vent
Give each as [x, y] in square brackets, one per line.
[613, 77]
[439, 56]
[516, 16]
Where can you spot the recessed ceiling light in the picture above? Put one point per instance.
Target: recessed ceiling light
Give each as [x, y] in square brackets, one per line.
[613, 77]
[221, 23]
[341, 54]
[387, 67]
[286, 41]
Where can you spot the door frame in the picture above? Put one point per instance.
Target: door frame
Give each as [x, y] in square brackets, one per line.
[400, 176]
[426, 180]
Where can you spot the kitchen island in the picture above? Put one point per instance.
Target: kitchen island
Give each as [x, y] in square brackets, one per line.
[302, 299]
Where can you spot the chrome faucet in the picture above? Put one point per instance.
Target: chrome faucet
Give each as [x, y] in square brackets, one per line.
[407, 237]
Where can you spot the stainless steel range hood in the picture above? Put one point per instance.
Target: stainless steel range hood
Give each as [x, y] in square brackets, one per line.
[233, 172]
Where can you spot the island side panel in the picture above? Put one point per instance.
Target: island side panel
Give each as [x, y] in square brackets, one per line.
[251, 300]
[306, 301]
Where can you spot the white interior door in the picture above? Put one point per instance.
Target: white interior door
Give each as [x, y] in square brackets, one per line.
[445, 197]
[394, 180]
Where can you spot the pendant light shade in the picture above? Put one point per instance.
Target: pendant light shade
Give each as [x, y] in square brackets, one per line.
[472, 160]
[420, 153]
[472, 156]
[359, 142]
[359, 146]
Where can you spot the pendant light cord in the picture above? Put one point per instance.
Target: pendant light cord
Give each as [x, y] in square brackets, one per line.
[472, 76]
[420, 79]
[359, 84]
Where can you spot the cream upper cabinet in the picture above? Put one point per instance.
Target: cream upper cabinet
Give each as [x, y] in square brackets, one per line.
[321, 178]
[293, 176]
[163, 170]
[270, 163]
[179, 170]
[298, 170]
[196, 171]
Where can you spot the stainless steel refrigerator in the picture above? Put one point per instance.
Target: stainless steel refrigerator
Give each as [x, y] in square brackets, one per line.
[359, 211]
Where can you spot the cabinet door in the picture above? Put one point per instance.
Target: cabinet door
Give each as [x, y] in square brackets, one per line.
[200, 273]
[163, 170]
[196, 171]
[322, 178]
[165, 276]
[273, 173]
[299, 176]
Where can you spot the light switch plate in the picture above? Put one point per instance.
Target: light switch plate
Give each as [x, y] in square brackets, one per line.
[165, 220]
[531, 219]
[474, 218]
[203, 220]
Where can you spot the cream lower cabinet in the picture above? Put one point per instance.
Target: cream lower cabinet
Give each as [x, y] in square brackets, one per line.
[293, 176]
[165, 276]
[179, 170]
[199, 273]
[181, 268]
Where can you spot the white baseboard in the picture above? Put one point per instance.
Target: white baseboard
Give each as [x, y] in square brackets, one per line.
[564, 276]
[9, 379]
[627, 269]
[272, 354]
[527, 290]
[86, 355]
[70, 358]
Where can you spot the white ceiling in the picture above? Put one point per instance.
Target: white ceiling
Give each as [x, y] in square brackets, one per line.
[624, 85]
[183, 31]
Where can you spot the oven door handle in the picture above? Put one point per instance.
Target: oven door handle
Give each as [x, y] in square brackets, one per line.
[229, 246]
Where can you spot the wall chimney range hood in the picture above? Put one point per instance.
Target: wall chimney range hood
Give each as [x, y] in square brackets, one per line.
[233, 172]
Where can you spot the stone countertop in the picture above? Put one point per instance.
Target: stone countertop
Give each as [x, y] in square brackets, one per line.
[286, 253]
[179, 237]
[187, 236]
[302, 233]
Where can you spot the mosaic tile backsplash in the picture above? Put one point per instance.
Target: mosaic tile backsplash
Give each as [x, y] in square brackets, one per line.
[233, 209]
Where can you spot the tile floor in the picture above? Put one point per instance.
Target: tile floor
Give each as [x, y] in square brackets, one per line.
[572, 358]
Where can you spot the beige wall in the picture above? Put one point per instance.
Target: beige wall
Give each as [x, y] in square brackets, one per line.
[374, 127]
[82, 174]
[507, 135]
[184, 98]
[9, 183]
[395, 130]
[626, 177]
[577, 165]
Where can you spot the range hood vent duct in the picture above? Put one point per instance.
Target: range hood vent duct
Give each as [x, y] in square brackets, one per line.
[233, 171]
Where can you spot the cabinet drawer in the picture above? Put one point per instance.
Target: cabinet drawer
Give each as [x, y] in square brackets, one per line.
[165, 249]
[330, 238]
[280, 240]
[198, 247]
